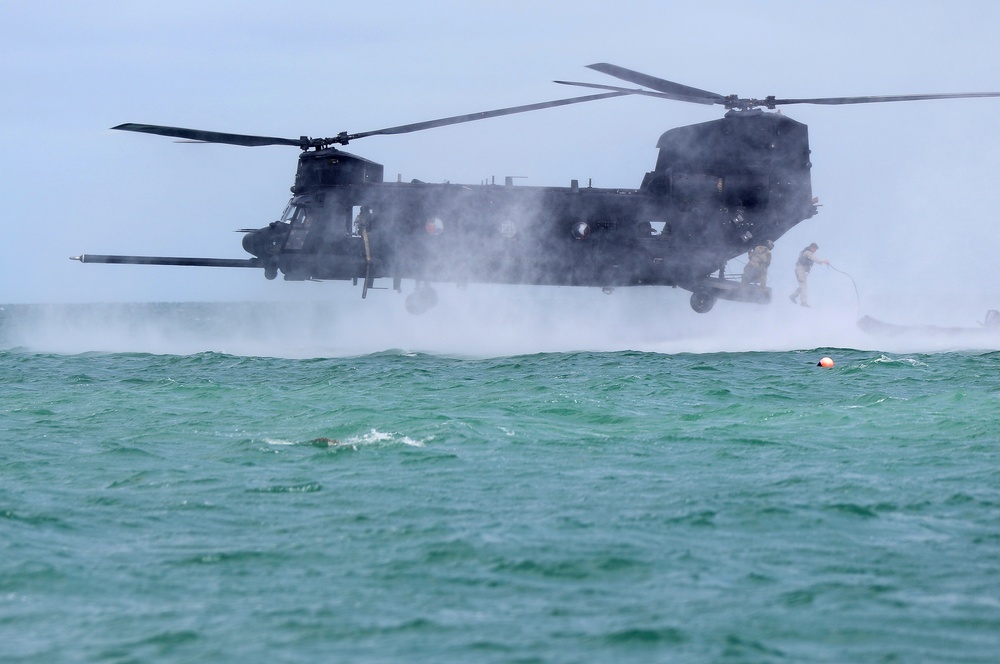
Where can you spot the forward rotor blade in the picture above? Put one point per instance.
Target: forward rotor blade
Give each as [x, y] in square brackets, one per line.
[458, 119]
[834, 101]
[202, 136]
[674, 90]
[344, 138]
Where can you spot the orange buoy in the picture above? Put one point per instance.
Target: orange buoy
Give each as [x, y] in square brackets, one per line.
[825, 362]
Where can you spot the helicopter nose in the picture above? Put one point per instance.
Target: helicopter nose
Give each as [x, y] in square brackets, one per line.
[249, 245]
[263, 242]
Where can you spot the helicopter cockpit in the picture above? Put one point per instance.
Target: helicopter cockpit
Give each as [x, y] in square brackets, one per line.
[299, 220]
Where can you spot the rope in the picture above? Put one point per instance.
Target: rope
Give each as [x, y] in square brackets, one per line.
[856, 294]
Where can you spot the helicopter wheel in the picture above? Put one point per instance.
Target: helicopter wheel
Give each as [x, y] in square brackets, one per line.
[420, 300]
[702, 301]
[271, 271]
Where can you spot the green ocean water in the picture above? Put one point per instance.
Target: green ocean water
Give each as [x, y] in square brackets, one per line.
[573, 506]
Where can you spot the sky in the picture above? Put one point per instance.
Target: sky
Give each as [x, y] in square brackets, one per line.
[909, 202]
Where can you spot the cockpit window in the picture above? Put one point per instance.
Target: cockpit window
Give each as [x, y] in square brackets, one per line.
[292, 213]
[296, 216]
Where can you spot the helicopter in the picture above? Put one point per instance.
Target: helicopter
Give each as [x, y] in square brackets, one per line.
[718, 189]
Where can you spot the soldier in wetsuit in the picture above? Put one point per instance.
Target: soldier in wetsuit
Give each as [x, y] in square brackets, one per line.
[802, 266]
[756, 269]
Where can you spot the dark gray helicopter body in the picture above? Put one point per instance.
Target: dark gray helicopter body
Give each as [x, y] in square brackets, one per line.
[718, 189]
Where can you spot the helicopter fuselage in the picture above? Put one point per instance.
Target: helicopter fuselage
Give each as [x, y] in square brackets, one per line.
[718, 189]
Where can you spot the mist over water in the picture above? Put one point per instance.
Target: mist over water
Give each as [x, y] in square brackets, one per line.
[477, 321]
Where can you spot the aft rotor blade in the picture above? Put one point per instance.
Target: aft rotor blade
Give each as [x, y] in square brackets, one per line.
[635, 91]
[458, 119]
[834, 101]
[673, 90]
[203, 136]
[685, 93]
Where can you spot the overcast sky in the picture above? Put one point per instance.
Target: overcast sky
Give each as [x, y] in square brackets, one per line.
[910, 202]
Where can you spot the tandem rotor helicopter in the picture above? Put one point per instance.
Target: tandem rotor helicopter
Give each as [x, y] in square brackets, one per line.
[718, 189]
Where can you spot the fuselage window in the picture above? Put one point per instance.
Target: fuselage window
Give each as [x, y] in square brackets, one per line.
[652, 229]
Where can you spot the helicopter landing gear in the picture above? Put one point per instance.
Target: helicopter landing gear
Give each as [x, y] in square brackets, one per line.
[702, 301]
[421, 299]
[271, 270]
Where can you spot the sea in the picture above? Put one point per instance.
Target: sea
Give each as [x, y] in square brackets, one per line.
[276, 482]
